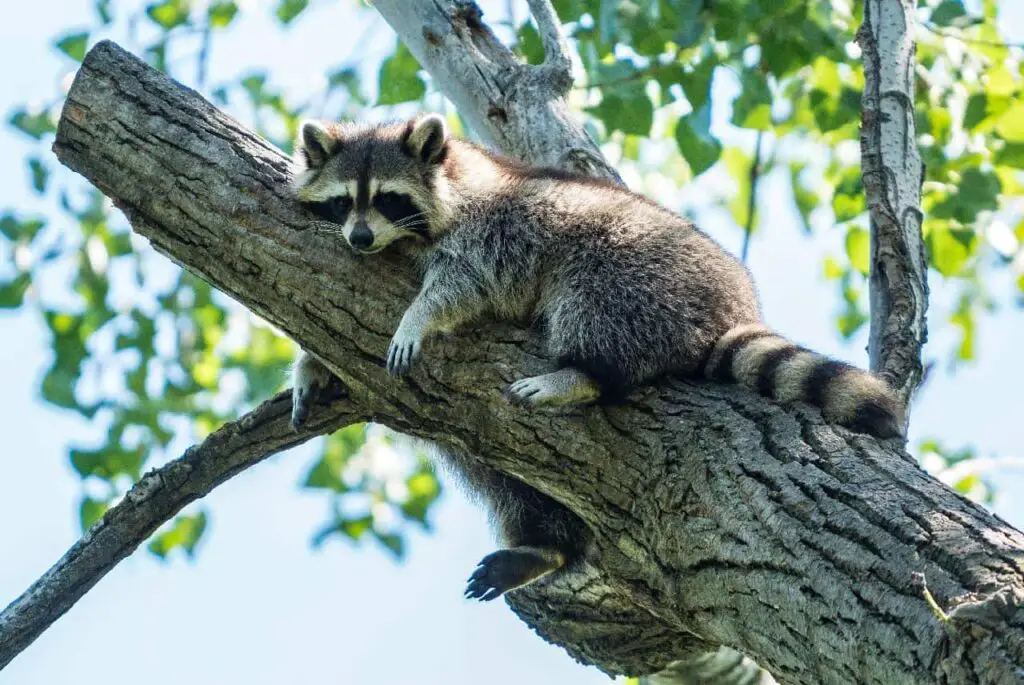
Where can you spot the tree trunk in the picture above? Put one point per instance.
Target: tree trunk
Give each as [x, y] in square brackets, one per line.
[719, 517]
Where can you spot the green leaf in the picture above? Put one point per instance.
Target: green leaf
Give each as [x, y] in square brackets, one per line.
[12, 293]
[424, 489]
[35, 125]
[699, 148]
[399, 78]
[1011, 124]
[697, 83]
[185, 534]
[40, 174]
[833, 270]
[355, 528]
[1011, 154]
[392, 543]
[347, 78]
[753, 107]
[963, 318]
[20, 230]
[529, 45]
[983, 110]
[948, 11]
[858, 249]
[168, 14]
[109, 461]
[103, 11]
[633, 116]
[221, 14]
[74, 44]
[339, 447]
[947, 252]
[977, 191]
[287, 10]
[90, 511]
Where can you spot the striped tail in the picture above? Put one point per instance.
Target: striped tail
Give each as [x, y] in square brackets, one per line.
[754, 356]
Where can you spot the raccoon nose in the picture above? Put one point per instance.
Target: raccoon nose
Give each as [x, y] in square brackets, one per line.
[361, 236]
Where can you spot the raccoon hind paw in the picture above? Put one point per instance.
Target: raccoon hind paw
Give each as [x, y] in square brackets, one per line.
[508, 569]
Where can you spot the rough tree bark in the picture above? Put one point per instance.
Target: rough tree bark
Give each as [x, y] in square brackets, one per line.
[893, 174]
[719, 517]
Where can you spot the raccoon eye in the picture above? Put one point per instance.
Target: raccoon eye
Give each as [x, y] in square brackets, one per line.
[396, 208]
[334, 210]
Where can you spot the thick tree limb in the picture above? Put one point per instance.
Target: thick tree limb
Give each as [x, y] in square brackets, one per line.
[155, 499]
[718, 517]
[893, 173]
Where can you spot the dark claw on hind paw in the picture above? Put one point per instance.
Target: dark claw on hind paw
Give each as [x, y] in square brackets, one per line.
[507, 569]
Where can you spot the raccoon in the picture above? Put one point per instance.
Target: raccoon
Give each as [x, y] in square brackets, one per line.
[624, 290]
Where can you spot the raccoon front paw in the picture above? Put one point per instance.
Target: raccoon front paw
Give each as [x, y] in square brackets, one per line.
[403, 351]
[310, 380]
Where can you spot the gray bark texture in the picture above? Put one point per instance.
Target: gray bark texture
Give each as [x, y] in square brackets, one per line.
[719, 517]
[893, 174]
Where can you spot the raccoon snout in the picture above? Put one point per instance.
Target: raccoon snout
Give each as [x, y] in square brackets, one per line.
[361, 236]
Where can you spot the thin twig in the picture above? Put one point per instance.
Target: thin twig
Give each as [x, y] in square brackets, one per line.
[556, 46]
[946, 33]
[202, 61]
[755, 176]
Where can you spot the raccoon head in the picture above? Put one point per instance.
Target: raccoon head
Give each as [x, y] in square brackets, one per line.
[376, 184]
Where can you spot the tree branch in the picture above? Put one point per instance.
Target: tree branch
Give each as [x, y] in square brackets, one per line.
[893, 174]
[512, 106]
[718, 518]
[155, 499]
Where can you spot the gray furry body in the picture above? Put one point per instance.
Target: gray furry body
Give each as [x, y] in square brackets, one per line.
[624, 291]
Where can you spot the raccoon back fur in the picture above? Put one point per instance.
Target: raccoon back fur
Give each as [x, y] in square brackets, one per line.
[625, 290]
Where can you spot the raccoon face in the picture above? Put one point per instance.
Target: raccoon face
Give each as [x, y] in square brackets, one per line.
[375, 184]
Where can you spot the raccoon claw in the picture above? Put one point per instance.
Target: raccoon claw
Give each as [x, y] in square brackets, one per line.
[507, 569]
[401, 355]
[302, 401]
[486, 583]
[524, 392]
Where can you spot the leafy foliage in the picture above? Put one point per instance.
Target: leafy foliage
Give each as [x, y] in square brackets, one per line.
[151, 356]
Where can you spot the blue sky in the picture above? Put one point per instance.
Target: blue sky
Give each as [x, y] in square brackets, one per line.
[258, 606]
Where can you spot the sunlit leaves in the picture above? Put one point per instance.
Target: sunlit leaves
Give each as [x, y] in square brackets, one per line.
[348, 79]
[376, 485]
[858, 248]
[338, 449]
[948, 249]
[399, 78]
[624, 104]
[33, 124]
[976, 191]
[40, 174]
[169, 14]
[20, 230]
[528, 44]
[947, 12]
[699, 148]
[12, 292]
[183, 534]
[90, 511]
[74, 44]
[1011, 124]
[954, 467]
[221, 14]
[752, 108]
[288, 10]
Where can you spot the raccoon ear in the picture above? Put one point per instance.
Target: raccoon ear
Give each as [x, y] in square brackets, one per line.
[316, 144]
[427, 138]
